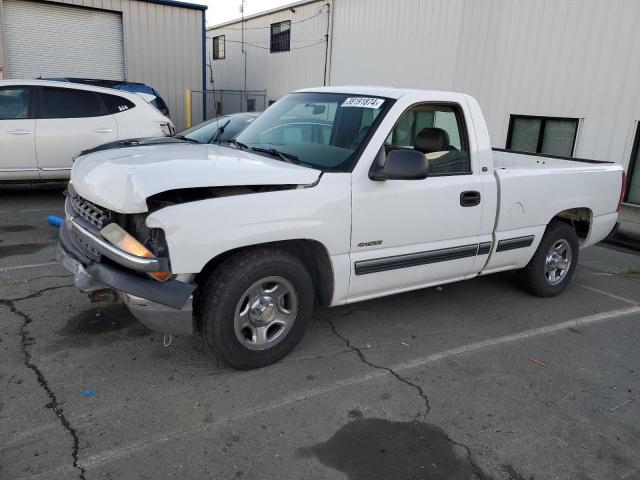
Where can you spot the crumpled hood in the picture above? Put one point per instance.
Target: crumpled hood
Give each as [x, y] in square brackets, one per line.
[122, 179]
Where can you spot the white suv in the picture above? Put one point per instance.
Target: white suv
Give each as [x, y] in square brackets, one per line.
[44, 124]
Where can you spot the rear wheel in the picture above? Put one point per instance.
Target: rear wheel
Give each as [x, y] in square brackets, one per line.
[553, 265]
[255, 307]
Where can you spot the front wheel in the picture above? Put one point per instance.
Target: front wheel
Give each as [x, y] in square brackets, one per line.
[554, 263]
[255, 307]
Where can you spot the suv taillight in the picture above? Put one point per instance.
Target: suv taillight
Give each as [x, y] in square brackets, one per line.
[623, 189]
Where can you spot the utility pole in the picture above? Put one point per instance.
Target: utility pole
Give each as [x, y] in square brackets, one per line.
[244, 54]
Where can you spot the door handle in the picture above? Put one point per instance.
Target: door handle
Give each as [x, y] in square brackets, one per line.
[103, 130]
[470, 198]
[19, 131]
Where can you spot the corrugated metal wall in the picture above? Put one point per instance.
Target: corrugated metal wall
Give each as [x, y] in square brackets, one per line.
[569, 58]
[278, 73]
[162, 48]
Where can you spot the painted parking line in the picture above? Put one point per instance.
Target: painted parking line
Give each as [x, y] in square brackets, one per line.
[610, 295]
[140, 445]
[34, 265]
[50, 210]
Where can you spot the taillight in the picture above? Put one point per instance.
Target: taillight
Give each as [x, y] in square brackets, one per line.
[623, 189]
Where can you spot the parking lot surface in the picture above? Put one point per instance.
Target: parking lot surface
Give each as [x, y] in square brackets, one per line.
[474, 380]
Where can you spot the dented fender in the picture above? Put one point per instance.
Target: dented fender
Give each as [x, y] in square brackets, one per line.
[198, 231]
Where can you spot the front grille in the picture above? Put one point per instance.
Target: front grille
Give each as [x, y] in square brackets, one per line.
[90, 211]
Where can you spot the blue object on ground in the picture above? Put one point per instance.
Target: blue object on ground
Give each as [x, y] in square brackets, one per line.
[88, 392]
[54, 221]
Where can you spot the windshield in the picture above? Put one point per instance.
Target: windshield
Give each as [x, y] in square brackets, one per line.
[207, 132]
[322, 130]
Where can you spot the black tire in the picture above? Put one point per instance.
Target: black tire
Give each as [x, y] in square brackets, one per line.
[533, 278]
[223, 291]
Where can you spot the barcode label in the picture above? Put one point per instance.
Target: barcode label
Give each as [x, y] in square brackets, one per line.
[363, 102]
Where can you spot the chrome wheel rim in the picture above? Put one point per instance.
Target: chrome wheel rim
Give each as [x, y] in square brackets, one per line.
[265, 313]
[557, 262]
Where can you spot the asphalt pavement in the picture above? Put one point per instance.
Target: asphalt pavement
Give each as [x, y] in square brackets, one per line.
[474, 380]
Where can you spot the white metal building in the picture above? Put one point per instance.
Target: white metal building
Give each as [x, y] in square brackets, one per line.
[157, 42]
[554, 76]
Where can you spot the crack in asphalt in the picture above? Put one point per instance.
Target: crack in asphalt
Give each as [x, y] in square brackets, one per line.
[25, 342]
[25, 282]
[363, 359]
[476, 469]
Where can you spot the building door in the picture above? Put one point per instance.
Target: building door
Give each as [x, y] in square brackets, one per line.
[633, 188]
[46, 39]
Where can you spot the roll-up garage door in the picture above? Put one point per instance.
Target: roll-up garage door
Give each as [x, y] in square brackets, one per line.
[54, 40]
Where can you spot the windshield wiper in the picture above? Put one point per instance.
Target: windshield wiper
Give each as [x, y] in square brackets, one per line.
[186, 139]
[285, 157]
[220, 132]
[238, 144]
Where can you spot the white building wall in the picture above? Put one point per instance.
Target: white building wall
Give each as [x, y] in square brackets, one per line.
[568, 58]
[278, 73]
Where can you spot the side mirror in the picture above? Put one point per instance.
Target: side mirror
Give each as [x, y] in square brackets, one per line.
[400, 165]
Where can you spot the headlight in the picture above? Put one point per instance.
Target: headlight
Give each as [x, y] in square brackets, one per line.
[117, 236]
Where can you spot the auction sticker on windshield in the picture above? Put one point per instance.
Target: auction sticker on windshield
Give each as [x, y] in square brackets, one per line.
[363, 102]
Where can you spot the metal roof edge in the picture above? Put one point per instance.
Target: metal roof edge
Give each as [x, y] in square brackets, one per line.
[174, 3]
[267, 12]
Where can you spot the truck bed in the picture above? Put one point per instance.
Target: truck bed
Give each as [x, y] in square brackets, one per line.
[524, 180]
[510, 159]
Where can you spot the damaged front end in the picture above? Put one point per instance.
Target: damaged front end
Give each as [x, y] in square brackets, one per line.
[110, 251]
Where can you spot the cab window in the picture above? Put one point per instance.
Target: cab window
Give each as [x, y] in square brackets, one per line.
[438, 132]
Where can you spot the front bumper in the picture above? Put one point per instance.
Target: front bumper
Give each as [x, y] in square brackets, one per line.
[164, 307]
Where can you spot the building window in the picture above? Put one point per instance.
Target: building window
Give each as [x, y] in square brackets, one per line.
[633, 187]
[281, 36]
[547, 135]
[251, 104]
[218, 47]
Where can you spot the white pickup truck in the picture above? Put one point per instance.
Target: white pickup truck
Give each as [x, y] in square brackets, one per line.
[333, 195]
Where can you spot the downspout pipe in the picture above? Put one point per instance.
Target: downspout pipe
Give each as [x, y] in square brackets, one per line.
[204, 64]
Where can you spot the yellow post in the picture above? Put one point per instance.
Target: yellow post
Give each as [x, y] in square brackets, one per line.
[187, 106]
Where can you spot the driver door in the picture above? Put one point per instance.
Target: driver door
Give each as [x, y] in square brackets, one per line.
[408, 234]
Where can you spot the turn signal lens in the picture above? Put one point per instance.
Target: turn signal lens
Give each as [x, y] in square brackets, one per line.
[117, 236]
[160, 276]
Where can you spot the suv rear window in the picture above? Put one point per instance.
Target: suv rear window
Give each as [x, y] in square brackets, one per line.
[116, 104]
[69, 103]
